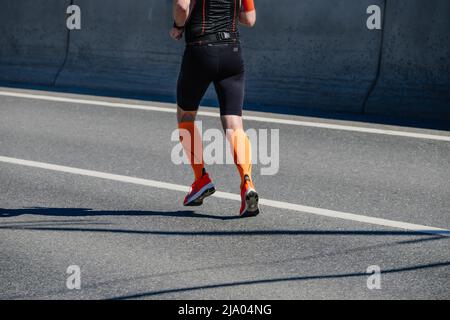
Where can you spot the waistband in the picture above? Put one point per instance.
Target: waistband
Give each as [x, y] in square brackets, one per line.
[224, 37]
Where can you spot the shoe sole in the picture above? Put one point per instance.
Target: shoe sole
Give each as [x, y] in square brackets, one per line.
[251, 205]
[199, 200]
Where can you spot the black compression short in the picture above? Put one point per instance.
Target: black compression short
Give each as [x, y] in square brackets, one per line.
[221, 64]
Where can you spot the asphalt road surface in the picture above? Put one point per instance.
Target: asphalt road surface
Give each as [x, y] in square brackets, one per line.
[132, 238]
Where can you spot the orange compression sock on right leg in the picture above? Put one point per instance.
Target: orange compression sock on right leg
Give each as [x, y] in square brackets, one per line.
[242, 154]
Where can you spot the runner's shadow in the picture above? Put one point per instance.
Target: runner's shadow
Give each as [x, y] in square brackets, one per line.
[86, 212]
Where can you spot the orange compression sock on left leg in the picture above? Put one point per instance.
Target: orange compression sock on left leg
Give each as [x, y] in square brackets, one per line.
[192, 143]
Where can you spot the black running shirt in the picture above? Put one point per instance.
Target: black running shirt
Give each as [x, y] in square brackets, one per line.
[212, 16]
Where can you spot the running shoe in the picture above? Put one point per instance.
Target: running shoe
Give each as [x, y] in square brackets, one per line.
[200, 189]
[249, 197]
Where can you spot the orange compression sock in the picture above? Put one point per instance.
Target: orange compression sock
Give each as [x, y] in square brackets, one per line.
[192, 143]
[242, 154]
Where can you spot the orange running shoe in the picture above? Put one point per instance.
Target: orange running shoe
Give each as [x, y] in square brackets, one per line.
[249, 197]
[200, 189]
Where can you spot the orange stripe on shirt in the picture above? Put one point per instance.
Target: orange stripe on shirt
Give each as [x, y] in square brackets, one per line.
[249, 5]
[204, 17]
[234, 16]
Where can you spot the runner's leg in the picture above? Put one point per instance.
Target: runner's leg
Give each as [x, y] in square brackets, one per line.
[193, 82]
[240, 145]
[230, 91]
[191, 140]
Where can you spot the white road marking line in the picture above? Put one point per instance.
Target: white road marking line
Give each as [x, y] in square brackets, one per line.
[321, 125]
[87, 102]
[234, 197]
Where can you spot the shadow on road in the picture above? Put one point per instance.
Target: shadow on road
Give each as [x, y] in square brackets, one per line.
[83, 225]
[278, 280]
[86, 212]
[227, 233]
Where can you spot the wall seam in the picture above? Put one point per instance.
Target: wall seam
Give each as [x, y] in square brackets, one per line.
[380, 59]
[65, 55]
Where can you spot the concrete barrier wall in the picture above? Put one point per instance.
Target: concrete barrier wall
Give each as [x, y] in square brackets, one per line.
[124, 46]
[415, 69]
[302, 54]
[309, 53]
[33, 39]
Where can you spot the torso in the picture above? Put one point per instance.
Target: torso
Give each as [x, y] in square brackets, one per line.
[212, 16]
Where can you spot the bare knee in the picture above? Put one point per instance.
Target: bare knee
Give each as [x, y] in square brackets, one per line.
[232, 122]
[185, 116]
